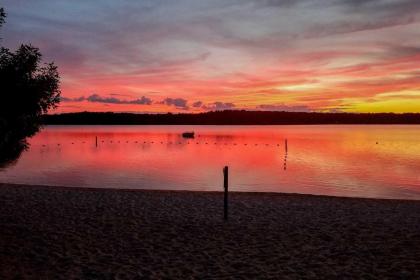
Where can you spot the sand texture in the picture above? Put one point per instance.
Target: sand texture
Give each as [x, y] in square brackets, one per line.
[65, 233]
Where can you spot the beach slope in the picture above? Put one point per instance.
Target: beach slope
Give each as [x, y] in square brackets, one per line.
[69, 233]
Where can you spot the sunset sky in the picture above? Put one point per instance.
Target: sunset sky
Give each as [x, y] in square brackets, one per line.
[196, 55]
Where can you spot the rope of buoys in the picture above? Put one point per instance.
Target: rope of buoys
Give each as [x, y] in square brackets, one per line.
[181, 143]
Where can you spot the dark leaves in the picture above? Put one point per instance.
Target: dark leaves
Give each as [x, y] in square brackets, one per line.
[28, 89]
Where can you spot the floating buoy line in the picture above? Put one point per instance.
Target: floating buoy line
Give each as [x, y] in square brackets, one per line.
[170, 143]
[138, 142]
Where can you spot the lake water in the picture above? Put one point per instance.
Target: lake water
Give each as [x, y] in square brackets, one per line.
[353, 160]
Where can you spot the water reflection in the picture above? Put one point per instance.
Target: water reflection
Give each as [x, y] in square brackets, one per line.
[331, 160]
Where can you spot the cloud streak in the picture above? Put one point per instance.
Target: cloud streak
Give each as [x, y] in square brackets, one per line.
[282, 107]
[176, 102]
[219, 106]
[203, 55]
[95, 98]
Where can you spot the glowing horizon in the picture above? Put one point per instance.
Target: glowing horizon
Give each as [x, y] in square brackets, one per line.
[195, 56]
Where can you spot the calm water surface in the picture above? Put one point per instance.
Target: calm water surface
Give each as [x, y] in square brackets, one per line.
[358, 161]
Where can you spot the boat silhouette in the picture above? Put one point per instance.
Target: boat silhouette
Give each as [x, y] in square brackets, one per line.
[189, 134]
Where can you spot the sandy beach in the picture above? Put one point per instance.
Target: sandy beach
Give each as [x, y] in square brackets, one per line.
[74, 233]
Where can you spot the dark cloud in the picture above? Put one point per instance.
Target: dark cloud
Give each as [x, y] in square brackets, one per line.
[197, 104]
[176, 102]
[282, 107]
[401, 51]
[95, 98]
[142, 101]
[99, 99]
[223, 106]
[77, 99]
[381, 6]
[218, 106]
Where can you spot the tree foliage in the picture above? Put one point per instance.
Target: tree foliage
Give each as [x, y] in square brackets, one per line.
[28, 89]
[2, 16]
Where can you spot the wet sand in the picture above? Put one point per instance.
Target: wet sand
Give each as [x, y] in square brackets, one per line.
[73, 233]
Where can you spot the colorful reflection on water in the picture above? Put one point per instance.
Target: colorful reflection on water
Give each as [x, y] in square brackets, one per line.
[359, 161]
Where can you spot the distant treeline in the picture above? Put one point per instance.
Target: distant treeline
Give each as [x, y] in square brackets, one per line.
[233, 117]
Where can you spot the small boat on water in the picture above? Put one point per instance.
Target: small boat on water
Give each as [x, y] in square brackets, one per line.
[189, 134]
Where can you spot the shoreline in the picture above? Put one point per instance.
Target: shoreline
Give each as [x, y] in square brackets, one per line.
[67, 233]
[281, 194]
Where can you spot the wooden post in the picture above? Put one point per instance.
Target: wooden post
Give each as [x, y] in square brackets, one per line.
[226, 187]
[96, 141]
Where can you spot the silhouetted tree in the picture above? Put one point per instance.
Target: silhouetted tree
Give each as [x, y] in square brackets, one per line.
[27, 91]
[2, 16]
